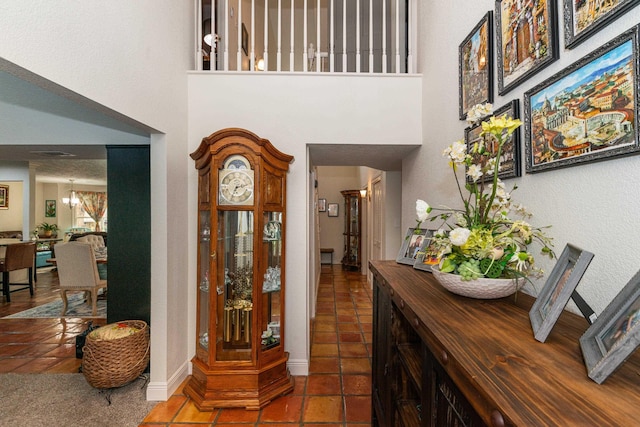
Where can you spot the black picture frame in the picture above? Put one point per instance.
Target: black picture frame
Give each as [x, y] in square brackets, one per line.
[322, 205]
[580, 22]
[50, 208]
[527, 40]
[4, 196]
[332, 209]
[615, 334]
[411, 245]
[557, 291]
[571, 118]
[475, 66]
[427, 256]
[510, 163]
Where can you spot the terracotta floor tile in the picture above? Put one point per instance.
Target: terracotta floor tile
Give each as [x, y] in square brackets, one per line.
[285, 409]
[348, 327]
[319, 409]
[358, 408]
[325, 337]
[299, 385]
[350, 337]
[166, 411]
[36, 365]
[325, 327]
[323, 384]
[189, 412]
[324, 350]
[355, 365]
[11, 349]
[320, 365]
[235, 415]
[353, 350]
[356, 384]
[347, 318]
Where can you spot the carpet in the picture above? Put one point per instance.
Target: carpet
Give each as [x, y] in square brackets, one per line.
[67, 400]
[77, 308]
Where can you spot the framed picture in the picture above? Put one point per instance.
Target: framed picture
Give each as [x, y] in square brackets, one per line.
[427, 255]
[527, 39]
[475, 66]
[588, 111]
[510, 154]
[4, 196]
[582, 19]
[557, 291]
[411, 245]
[615, 334]
[50, 208]
[245, 40]
[332, 210]
[322, 205]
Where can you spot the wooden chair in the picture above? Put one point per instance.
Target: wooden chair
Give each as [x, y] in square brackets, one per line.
[78, 272]
[18, 256]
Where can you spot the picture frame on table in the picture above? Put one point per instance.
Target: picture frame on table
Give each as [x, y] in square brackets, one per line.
[50, 208]
[475, 66]
[586, 112]
[322, 205]
[557, 291]
[411, 245]
[332, 209]
[615, 334]
[526, 39]
[582, 20]
[427, 255]
[4, 196]
[510, 155]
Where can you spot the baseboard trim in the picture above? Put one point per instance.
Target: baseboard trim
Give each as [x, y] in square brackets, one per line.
[162, 391]
[298, 367]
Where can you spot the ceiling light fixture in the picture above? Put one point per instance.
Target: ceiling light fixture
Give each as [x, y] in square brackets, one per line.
[72, 200]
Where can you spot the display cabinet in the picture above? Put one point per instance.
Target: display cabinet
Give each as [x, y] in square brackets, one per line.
[240, 359]
[352, 220]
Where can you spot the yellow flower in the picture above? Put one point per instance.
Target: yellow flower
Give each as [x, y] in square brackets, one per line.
[496, 125]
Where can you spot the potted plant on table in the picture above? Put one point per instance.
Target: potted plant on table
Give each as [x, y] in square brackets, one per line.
[483, 239]
[48, 230]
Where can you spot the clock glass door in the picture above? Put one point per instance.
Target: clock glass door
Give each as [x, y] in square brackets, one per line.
[271, 295]
[235, 285]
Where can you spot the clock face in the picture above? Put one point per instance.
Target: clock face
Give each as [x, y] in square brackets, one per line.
[236, 187]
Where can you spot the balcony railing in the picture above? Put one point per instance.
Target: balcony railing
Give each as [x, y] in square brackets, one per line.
[357, 36]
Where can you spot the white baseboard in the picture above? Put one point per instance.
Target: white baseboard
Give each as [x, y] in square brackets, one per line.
[298, 367]
[162, 391]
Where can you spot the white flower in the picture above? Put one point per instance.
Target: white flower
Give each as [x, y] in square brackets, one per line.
[457, 152]
[459, 236]
[520, 258]
[479, 111]
[460, 219]
[422, 210]
[474, 172]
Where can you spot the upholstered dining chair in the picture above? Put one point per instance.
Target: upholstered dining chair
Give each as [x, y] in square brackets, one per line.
[18, 256]
[77, 272]
[99, 249]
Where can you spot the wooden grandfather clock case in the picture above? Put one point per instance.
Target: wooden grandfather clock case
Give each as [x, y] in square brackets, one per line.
[240, 359]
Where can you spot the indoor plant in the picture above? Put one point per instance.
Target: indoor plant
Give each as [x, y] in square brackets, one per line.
[482, 239]
[48, 229]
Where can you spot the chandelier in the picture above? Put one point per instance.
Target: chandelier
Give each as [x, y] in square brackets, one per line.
[72, 200]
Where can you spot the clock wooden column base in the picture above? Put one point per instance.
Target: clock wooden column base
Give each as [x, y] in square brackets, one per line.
[237, 387]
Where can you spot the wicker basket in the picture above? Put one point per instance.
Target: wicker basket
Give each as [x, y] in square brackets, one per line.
[115, 362]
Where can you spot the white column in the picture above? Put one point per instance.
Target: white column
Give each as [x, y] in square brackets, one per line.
[318, 45]
[239, 26]
[293, 50]
[331, 36]
[199, 52]
[266, 36]
[344, 36]
[370, 36]
[252, 49]
[226, 35]
[384, 36]
[305, 29]
[357, 36]
[397, 36]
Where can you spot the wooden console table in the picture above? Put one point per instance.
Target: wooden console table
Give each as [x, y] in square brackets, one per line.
[440, 360]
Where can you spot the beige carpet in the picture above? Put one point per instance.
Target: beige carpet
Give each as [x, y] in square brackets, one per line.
[67, 400]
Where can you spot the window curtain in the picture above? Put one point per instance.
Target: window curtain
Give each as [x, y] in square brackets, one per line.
[94, 203]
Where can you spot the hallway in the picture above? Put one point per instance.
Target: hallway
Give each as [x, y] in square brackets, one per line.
[337, 391]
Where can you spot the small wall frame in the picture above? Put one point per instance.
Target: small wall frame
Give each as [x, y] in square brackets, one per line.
[555, 294]
[615, 334]
[411, 245]
[332, 209]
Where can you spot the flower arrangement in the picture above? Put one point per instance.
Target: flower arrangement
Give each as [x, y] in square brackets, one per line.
[482, 239]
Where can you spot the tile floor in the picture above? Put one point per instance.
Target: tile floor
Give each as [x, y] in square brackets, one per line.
[337, 391]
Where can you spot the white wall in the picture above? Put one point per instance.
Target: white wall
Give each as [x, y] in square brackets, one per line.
[593, 206]
[293, 110]
[130, 58]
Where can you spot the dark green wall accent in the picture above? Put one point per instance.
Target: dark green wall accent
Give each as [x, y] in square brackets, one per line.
[129, 231]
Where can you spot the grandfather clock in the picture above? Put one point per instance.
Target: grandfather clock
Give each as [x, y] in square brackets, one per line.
[240, 359]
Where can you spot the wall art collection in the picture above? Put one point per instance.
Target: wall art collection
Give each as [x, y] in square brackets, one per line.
[584, 113]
